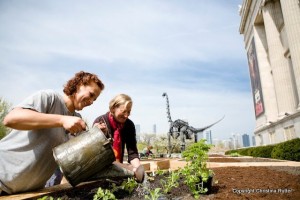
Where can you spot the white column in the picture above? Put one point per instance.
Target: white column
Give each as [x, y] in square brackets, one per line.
[273, 21]
[291, 16]
[266, 79]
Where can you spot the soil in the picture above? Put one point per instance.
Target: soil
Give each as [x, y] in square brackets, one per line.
[223, 160]
[232, 183]
[239, 159]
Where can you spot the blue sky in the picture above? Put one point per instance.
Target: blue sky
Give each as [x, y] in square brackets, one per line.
[190, 49]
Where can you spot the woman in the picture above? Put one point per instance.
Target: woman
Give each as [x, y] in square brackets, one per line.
[40, 123]
[147, 151]
[115, 124]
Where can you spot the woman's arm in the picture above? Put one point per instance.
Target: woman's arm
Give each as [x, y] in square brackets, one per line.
[130, 141]
[27, 119]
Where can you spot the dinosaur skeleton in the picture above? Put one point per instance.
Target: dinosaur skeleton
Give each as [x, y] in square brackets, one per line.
[182, 129]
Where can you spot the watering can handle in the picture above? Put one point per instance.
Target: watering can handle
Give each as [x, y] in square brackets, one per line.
[109, 141]
[86, 127]
[76, 134]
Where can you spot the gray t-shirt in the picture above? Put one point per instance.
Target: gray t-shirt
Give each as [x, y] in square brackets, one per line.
[26, 157]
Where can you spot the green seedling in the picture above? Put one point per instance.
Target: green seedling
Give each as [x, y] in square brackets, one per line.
[170, 182]
[129, 185]
[104, 195]
[153, 194]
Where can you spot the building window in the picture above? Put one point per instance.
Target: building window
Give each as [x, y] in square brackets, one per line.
[289, 133]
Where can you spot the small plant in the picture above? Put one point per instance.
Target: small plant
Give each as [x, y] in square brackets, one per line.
[129, 185]
[104, 195]
[153, 194]
[170, 182]
[196, 172]
[194, 179]
[114, 188]
[160, 172]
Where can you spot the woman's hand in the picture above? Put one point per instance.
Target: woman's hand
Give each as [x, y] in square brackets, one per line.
[73, 124]
[102, 126]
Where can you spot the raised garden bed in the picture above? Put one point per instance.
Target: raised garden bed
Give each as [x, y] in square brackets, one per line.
[259, 182]
[241, 159]
[232, 183]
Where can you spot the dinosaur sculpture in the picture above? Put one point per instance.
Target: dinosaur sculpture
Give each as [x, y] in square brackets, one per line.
[182, 129]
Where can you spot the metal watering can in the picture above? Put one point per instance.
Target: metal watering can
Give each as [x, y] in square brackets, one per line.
[83, 156]
[90, 156]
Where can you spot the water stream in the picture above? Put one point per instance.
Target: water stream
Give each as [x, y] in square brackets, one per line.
[144, 187]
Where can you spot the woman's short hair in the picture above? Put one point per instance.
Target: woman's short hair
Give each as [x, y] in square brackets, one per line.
[120, 99]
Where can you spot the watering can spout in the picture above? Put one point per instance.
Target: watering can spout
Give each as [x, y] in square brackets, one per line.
[119, 170]
[140, 174]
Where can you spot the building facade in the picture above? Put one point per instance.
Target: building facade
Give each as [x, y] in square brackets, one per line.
[271, 30]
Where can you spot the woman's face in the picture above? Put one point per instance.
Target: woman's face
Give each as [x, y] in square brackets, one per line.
[122, 113]
[86, 95]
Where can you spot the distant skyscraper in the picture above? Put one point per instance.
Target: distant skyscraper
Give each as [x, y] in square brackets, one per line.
[227, 144]
[246, 140]
[253, 141]
[231, 143]
[138, 131]
[208, 137]
[154, 128]
[239, 139]
[235, 141]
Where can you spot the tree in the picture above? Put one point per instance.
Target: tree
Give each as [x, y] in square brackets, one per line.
[147, 138]
[4, 108]
[160, 144]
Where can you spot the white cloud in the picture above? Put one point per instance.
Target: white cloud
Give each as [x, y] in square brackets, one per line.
[191, 50]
